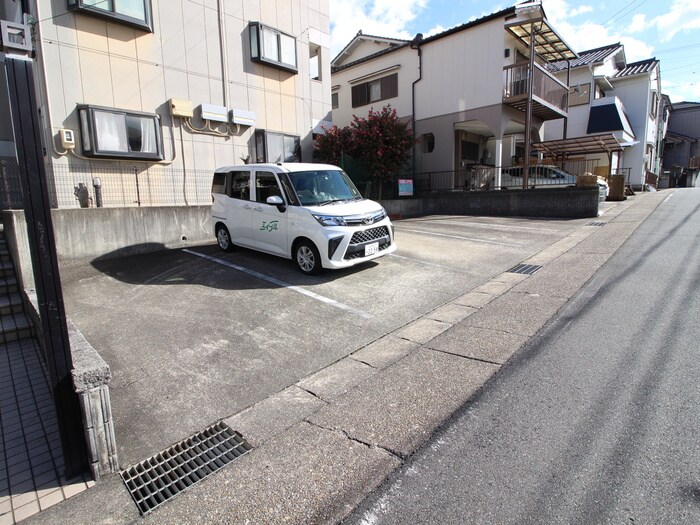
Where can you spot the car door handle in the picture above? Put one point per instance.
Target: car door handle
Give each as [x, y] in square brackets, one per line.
[259, 208]
[247, 207]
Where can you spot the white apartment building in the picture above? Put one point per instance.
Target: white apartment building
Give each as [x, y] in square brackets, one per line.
[144, 98]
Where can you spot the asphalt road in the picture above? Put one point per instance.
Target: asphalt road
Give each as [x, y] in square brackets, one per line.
[596, 420]
[194, 336]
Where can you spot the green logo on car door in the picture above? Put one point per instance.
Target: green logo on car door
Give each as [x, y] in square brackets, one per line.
[269, 226]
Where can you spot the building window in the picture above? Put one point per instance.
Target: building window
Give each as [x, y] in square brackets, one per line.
[276, 147]
[334, 101]
[315, 62]
[469, 151]
[376, 90]
[114, 133]
[136, 13]
[428, 140]
[654, 104]
[270, 46]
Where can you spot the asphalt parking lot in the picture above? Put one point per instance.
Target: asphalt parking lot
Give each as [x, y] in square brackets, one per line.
[196, 335]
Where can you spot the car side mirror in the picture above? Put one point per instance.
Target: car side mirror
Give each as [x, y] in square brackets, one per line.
[276, 200]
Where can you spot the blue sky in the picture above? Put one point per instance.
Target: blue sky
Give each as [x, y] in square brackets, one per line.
[666, 29]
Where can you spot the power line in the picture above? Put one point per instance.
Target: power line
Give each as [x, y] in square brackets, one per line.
[629, 6]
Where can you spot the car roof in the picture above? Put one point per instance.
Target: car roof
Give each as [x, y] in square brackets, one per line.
[278, 167]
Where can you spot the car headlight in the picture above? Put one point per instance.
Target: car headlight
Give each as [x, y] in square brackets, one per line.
[330, 220]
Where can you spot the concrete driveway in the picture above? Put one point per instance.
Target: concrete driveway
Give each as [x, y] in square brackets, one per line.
[194, 336]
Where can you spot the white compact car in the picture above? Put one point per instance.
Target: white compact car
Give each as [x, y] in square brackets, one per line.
[311, 213]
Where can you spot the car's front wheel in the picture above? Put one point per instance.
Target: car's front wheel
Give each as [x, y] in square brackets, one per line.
[223, 238]
[307, 258]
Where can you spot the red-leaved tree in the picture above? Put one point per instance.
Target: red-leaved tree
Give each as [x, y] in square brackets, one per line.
[380, 141]
[334, 144]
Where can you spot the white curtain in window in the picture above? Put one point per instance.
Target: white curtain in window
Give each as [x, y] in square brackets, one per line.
[148, 135]
[270, 50]
[100, 4]
[289, 50]
[375, 91]
[110, 131]
[133, 8]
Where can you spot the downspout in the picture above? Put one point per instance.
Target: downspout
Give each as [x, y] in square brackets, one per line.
[224, 50]
[568, 82]
[415, 44]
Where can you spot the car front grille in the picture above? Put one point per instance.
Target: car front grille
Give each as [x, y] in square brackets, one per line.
[369, 235]
[356, 248]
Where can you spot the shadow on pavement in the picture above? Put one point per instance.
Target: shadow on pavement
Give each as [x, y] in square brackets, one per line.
[154, 264]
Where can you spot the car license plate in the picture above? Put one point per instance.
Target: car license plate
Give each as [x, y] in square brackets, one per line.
[371, 249]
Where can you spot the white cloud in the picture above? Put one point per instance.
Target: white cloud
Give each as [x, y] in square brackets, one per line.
[684, 15]
[386, 18]
[638, 24]
[581, 10]
[560, 10]
[589, 35]
[679, 92]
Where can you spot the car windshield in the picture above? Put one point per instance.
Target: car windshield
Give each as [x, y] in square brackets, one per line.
[322, 187]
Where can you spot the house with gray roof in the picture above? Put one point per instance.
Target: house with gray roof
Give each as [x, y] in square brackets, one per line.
[609, 96]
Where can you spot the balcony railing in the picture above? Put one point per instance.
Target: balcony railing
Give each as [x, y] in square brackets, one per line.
[550, 97]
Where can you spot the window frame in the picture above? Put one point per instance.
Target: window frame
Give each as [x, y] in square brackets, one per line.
[388, 88]
[146, 24]
[257, 47]
[90, 138]
[335, 100]
[262, 145]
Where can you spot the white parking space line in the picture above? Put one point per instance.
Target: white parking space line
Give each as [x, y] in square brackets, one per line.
[490, 226]
[472, 239]
[282, 284]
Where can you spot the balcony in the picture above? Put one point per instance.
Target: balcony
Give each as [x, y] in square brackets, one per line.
[549, 96]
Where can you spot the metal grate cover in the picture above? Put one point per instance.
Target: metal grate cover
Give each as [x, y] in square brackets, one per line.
[163, 476]
[596, 223]
[525, 269]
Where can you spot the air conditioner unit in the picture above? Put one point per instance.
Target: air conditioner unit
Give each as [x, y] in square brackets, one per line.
[212, 112]
[15, 36]
[243, 117]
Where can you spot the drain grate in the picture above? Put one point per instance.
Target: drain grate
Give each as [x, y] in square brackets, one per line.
[596, 223]
[163, 476]
[524, 269]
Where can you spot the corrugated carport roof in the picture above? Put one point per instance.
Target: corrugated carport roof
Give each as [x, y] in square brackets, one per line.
[601, 143]
[548, 44]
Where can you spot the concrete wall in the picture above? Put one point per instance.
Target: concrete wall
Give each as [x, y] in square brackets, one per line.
[550, 202]
[85, 234]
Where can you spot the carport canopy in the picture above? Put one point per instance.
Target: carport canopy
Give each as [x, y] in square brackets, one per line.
[601, 143]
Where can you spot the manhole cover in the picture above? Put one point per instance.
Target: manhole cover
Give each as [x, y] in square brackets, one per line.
[163, 476]
[524, 269]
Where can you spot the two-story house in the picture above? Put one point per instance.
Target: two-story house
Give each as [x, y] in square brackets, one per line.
[477, 95]
[682, 145]
[143, 99]
[609, 96]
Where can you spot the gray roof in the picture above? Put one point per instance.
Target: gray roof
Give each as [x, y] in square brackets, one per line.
[592, 56]
[637, 68]
[421, 40]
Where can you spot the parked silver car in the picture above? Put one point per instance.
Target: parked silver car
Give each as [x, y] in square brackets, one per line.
[548, 176]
